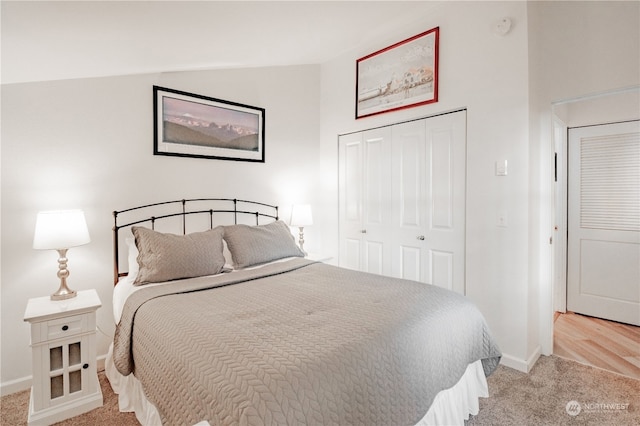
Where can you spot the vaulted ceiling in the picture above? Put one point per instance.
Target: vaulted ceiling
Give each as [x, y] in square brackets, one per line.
[51, 40]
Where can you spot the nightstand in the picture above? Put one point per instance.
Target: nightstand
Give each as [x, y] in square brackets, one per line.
[63, 343]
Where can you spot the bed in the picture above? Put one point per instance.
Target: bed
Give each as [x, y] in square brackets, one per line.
[226, 322]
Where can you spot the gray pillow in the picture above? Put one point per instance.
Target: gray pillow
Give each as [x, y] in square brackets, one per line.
[252, 245]
[166, 257]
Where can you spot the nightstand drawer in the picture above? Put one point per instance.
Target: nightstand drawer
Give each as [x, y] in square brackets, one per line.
[63, 327]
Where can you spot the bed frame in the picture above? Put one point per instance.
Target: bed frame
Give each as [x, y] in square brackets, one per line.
[236, 211]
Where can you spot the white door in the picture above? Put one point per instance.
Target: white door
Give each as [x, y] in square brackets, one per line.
[429, 169]
[365, 200]
[409, 189]
[603, 270]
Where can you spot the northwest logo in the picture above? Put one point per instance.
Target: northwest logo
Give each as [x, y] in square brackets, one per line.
[573, 408]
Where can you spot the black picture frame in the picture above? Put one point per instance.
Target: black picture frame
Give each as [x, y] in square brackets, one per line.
[192, 125]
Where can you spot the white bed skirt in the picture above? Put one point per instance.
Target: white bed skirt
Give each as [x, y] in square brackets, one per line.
[454, 405]
[450, 407]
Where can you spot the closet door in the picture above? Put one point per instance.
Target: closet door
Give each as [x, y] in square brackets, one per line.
[350, 149]
[429, 169]
[365, 201]
[409, 212]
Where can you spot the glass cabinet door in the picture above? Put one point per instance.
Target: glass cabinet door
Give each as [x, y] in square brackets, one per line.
[66, 369]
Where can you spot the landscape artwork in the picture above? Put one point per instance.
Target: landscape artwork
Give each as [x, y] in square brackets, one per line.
[400, 76]
[191, 125]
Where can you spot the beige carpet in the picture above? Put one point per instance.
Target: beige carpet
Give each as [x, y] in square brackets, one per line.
[539, 398]
[554, 386]
[14, 409]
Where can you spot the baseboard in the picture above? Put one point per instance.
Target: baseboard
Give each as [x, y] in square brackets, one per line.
[24, 383]
[524, 365]
[17, 385]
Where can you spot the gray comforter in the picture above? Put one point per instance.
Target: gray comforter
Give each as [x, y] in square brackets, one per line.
[298, 343]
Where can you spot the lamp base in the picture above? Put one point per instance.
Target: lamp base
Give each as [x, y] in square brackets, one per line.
[301, 239]
[63, 294]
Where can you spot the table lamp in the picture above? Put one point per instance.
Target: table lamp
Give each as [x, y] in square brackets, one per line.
[301, 217]
[60, 230]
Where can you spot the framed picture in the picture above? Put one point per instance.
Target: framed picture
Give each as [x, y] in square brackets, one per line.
[190, 125]
[400, 76]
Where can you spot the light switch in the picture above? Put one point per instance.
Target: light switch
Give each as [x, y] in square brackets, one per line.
[501, 168]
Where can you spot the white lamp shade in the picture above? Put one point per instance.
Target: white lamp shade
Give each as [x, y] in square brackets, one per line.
[60, 229]
[301, 215]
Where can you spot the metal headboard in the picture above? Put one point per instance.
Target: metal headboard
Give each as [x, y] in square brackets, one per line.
[237, 208]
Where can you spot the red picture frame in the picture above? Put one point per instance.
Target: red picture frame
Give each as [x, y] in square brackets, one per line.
[403, 75]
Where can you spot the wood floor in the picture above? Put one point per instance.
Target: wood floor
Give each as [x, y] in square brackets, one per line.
[605, 344]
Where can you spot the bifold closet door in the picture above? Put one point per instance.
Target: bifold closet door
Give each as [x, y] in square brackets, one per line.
[402, 200]
[365, 200]
[428, 225]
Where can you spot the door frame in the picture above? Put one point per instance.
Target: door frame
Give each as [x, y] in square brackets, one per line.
[561, 252]
[561, 226]
[585, 294]
[611, 106]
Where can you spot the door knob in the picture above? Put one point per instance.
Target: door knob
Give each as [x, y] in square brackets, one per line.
[364, 231]
[420, 237]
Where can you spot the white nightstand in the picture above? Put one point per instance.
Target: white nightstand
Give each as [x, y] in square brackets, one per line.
[63, 342]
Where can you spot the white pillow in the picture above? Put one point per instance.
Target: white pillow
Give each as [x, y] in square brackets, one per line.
[228, 259]
[133, 258]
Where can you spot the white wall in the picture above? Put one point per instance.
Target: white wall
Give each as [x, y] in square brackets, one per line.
[576, 49]
[89, 144]
[487, 74]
